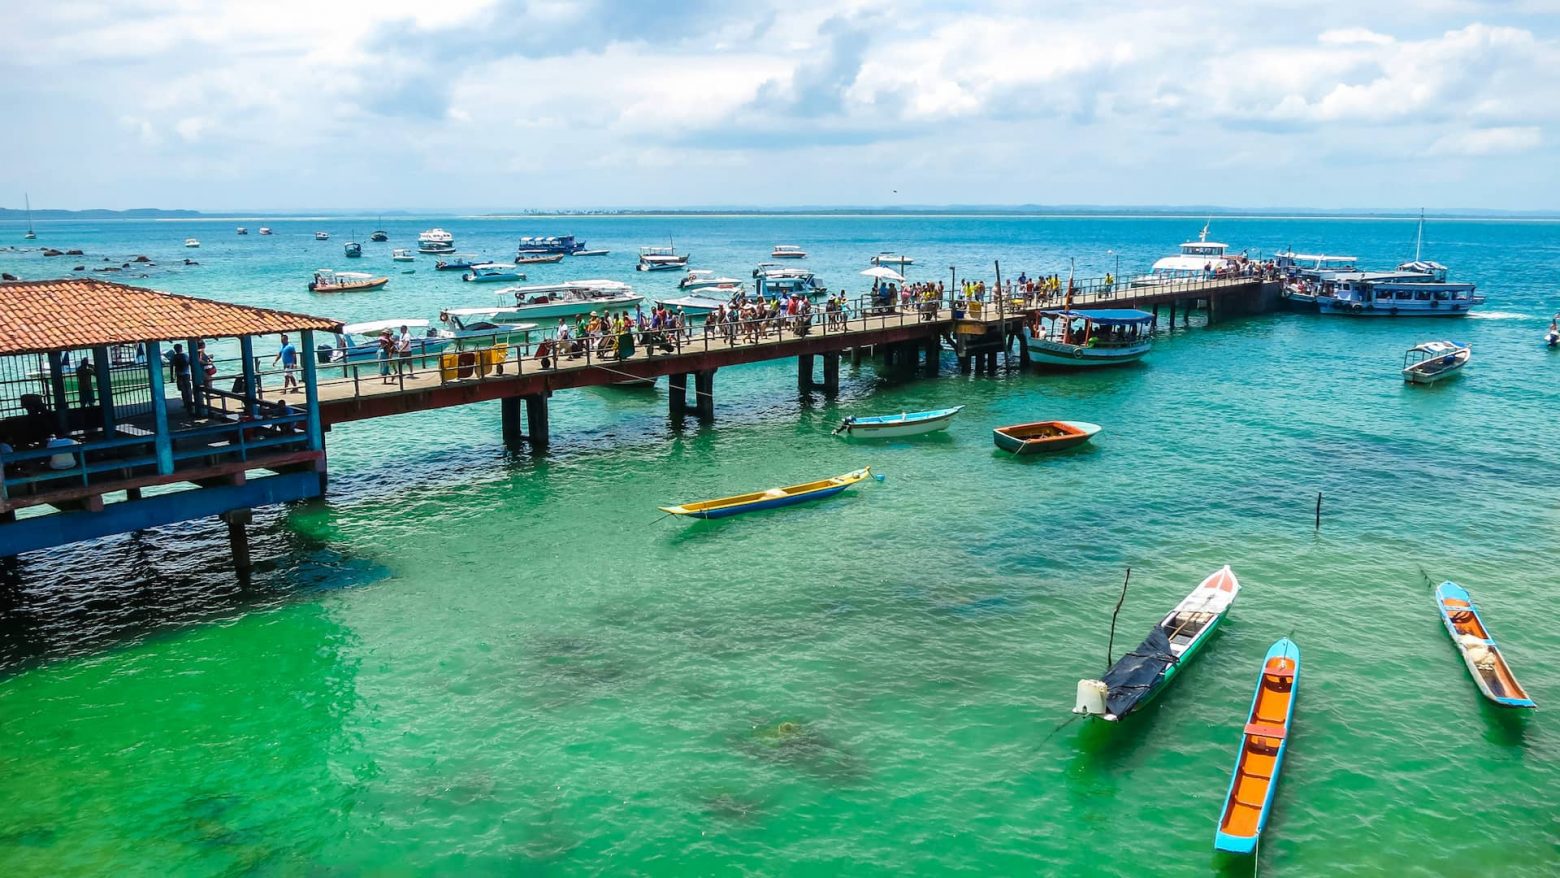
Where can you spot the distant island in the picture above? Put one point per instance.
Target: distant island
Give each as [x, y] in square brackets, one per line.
[7, 213]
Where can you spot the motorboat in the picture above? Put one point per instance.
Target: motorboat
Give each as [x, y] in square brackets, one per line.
[459, 262]
[353, 250]
[1552, 334]
[485, 326]
[787, 251]
[1146, 670]
[29, 235]
[322, 236]
[770, 499]
[897, 426]
[492, 272]
[1310, 277]
[191, 242]
[591, 252]
[566, 299]
[242, 231]
[887, 259]
[1084, 339]
[547, 245]
[703, 279]
[1043, 436]
[329, 281]
[661, 259]
[539, 259]
[403, 254]
[706, 299]
[778, 282]
[1264, 739]
[379, 236]
[265, 230]
[1430, 361]
[1484, 657]
[359, 342]
[435, 241]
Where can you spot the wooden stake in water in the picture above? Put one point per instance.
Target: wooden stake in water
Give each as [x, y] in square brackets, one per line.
[1110, 645]
[1318, 510]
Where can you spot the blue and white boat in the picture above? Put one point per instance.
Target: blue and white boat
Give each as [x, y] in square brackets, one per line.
[1264, 738]
[485, 326]
[457, 262]
[895, 426]
[661, 259]
[566, 300]
[492, 272]
[546, 245]
[359, 342]
[353, 250]
[778, 282]
[1485, 659]
[1085, 339]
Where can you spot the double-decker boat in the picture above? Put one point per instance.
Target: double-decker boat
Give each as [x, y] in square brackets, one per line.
[435, 241]
[661, 259]
[546, 245]
[566, 299]
[1416, 289]
[1199, 258]
[1083, 339]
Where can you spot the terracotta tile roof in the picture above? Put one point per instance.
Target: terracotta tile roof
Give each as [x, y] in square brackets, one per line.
[67, 314]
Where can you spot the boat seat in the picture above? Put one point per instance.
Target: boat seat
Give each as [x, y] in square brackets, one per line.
[1280, 672]
[1262, 730]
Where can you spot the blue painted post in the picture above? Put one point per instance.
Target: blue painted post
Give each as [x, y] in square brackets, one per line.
[103, 371]
[164, 441]
[311, 392]
[246, 345]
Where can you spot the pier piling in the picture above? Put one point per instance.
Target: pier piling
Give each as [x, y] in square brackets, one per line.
[509, 419]
[831, 373]
[677, 394]
[804, 372]
[704, 390]
[238, 538]
[536, 422]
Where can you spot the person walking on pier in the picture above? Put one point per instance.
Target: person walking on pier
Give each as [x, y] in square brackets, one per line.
[403, 349]
[386, 351]
[287, 355]
[180, 361]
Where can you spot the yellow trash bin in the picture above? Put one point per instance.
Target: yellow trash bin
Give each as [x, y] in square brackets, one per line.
[493, 358]
[449, 366]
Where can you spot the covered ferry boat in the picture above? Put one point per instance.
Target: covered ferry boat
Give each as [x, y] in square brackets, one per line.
[661, 259]
[548, 245]
[1083, 339]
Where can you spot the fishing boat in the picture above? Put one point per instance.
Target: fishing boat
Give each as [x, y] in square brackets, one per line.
[770, 499]
[1263, 741]
[1144, 672]
[329, 281]
[403, 254]
[1085, 339]
[322, 236]
[886, 259]
[359, 342]
[353, 250]
[787, 251]
[1485, 659]
[191, 242]
[242, 230]
[492, 272]
[1043, 436]
[545, 245]
[567, 299]
[265, 230]
[1429, 362]
[485, 326]
[435, 241]
[539, 259]
[895, 426]
[30, 235]
[459, 262]
[703, 278]
[661, 259]
[379, 236]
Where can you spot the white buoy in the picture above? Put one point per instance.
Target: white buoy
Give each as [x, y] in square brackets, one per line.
[1091, 698]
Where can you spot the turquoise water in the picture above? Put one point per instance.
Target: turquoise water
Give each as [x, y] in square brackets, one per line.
[472, 660]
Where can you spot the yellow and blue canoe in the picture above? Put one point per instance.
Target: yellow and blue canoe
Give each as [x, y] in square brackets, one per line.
[770, 499]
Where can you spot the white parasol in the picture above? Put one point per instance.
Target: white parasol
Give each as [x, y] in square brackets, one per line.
[884, 274]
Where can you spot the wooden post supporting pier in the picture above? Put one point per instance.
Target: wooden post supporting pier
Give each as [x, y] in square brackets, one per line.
[509, 419]
[831, 373]
[677, 394]
[804, 372]
[704, 387]
[1172, 313]
[238, 538]
[538, 429]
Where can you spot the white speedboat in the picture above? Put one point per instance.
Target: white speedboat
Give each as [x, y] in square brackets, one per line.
[242, 230]
[485, 326]
[1431, 361]
[1552, 334]
[1085, 339]
[265, 230]
[566, 300]
[322, 236]
[492, 272]
[698, 303]
[661, 259]
[435, 241]
[191, 242]
[886, 259]
[403, 254]
[359, 342]
[778, 283]
[787, 251]
[704, 279]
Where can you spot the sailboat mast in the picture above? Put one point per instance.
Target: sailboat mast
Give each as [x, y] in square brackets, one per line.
[1419, 239]
[30, 233]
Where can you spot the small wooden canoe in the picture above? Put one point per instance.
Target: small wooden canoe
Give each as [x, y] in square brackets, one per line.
[904, 424]
[1483, 656]
[1043, 436]
[770, 499]
[1262, 745]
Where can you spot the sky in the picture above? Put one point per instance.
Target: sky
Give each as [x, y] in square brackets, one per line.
[545, 104]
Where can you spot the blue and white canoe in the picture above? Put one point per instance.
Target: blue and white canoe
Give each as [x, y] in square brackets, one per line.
[1483, 656]
[902, 424]
[770, 499]
[1263, 741]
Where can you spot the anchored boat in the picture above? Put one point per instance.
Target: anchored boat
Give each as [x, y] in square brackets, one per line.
[1144, 672]
[459, 262]
[435, 241]
[1085, 339]
[661, 259]
[1485, 659]
[894, 426]
[787, 251]
[328, 281]
[403, 254]
[540, 259]
[1431, 361]
[770, 499]
[492, 272]
[1263, 740]
[1043, 436]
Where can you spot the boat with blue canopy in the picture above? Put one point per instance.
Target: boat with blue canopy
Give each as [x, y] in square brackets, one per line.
[772, 498]
[547, 245]
[1263, 741]
[1485, 659]
[902, 424]
[1084, 339]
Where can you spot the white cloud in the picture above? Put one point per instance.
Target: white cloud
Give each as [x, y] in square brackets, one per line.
[1488, 141]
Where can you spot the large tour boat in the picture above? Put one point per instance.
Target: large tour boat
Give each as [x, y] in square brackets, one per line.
[661, 259]
[435, 241]
[546, 245]
[1196, 259]
[566, 299]
[1084, 339]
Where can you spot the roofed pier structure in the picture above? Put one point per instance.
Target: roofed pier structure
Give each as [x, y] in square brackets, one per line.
[110, 421]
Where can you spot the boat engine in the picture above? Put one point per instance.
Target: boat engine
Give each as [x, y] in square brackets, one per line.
[1091, 698]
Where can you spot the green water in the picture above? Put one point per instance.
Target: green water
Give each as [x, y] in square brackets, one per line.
[471, 661]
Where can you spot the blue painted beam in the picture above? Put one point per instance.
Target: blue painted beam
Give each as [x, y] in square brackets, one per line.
[154, 374]
[60, 528]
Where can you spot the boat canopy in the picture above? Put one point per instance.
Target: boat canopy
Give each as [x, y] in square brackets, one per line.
[1440, 347]
[1104, 316]
[377, 326]
[1135, 675]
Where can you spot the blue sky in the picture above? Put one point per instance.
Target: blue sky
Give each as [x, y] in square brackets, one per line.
[505, 104]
